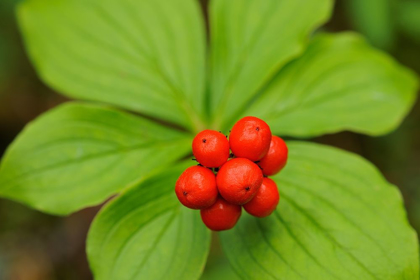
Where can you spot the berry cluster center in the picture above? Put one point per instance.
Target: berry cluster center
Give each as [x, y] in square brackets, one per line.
[233, 173]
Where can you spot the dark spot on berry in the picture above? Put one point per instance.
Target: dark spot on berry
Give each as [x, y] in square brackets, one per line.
[247, 188]
[258, 128]
[184, 193]
[204, 140]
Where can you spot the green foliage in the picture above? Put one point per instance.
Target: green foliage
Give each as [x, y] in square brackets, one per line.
[145, 233]
[340, 76]
[338, 218]
[77, 155]
[146, 56]
[219, 269]
[249, 45]
[328, 197]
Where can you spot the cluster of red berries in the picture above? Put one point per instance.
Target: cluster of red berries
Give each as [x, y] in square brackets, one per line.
[224, 181]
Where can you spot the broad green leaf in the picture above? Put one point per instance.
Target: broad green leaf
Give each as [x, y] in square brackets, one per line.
[146, 233]
[337, 219]
[146, 55]
[409, 19]
[219, 270]
[78, 155]
[375, 19]
[250, 42]
[340, 83]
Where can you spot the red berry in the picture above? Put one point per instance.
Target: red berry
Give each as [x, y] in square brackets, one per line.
[222, 215]
[238, 180]
[276, 158]
[265, 201]
[211, 148]
[196, 187]
[250, 138]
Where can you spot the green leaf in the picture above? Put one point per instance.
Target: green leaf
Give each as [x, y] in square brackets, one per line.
[340, 83]
[250, 42]
[337, 219]
[78, 155]
[375, 19]
[146, 233]
[219, 269]
[146, 56]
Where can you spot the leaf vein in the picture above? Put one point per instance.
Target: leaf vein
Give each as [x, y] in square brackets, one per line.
[331, 238]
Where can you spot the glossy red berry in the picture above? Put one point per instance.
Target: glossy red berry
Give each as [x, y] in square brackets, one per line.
[211, 148]
[250, 138]
[276, 158]
[196, 187]
[265, 201]
[238, 180]
[222, 215]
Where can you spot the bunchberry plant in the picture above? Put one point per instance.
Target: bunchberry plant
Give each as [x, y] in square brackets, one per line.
[211, 148]
[149, 79]
[196, 188]
[250, 138]
[265, 201]
[238, 181]
[276, 157]
[222, 215]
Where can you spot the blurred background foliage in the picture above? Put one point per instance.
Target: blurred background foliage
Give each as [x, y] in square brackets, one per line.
[38, 246]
